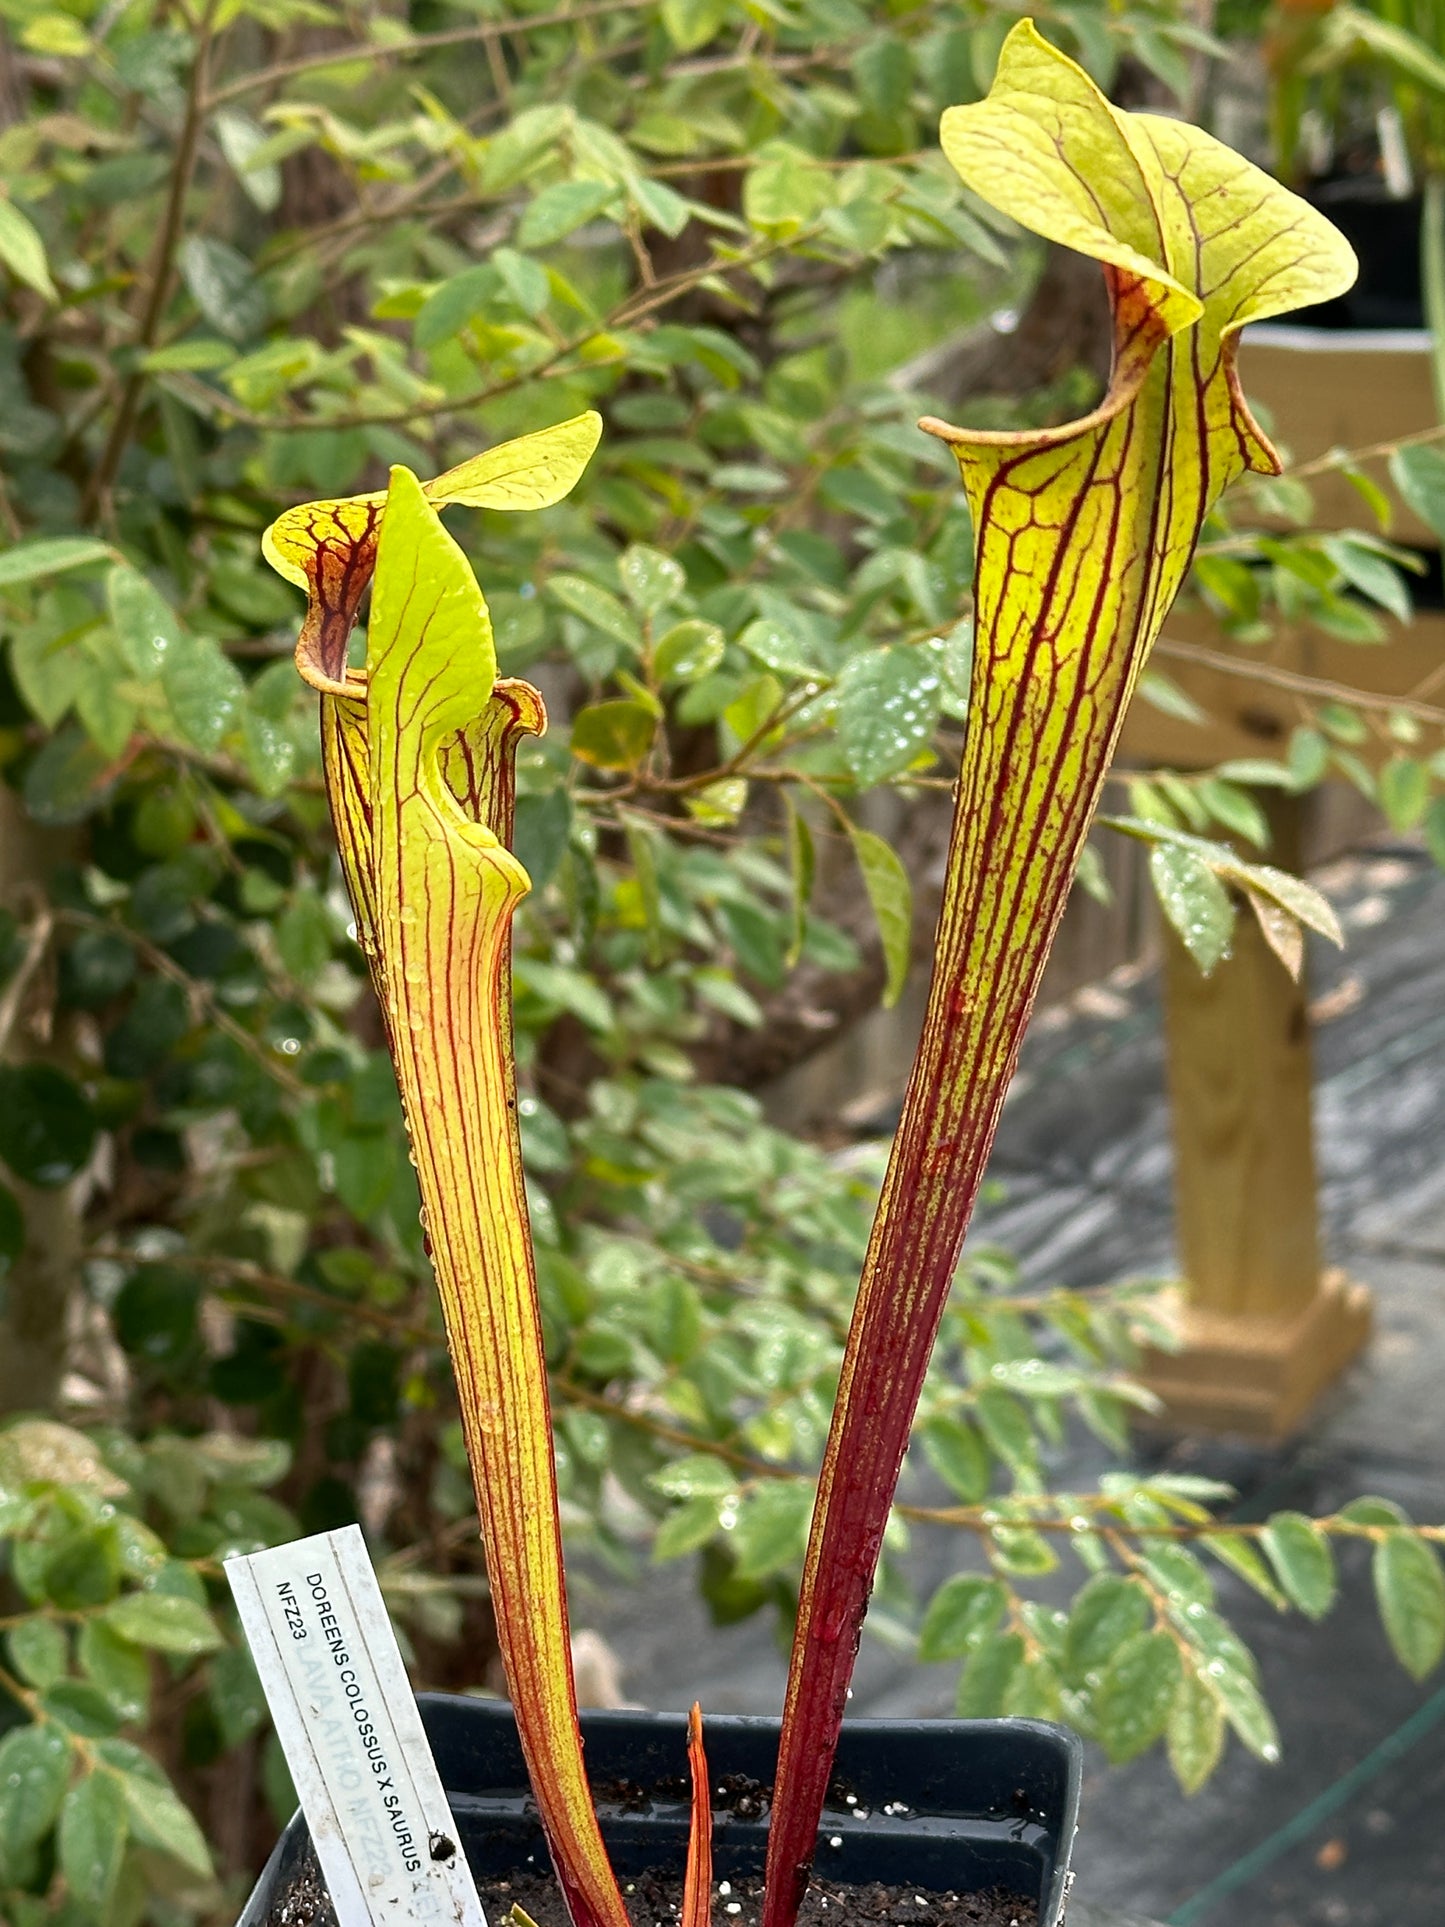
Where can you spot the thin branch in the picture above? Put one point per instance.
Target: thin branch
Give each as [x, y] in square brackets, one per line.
[200, 996]
[484, 31]
[625, 314]
[1338, 458]
[36, 944]
[97, 494]
[1316, 688]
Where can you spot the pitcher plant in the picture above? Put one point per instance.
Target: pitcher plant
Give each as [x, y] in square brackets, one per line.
[1083, 535]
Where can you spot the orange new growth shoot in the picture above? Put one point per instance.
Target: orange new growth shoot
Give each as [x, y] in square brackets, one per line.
[697, 1884]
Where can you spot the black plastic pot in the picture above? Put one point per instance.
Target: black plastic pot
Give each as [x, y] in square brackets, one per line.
[977, 1804]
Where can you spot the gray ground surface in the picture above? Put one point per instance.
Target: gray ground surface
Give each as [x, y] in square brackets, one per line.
[1085, 1160]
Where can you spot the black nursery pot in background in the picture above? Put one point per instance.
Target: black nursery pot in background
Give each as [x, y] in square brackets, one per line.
[975, 1804]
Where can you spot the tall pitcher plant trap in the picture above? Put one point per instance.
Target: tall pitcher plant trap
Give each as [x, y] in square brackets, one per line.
[1083, 535]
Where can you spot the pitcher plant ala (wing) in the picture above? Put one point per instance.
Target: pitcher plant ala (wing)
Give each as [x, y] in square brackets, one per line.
[1083, 534]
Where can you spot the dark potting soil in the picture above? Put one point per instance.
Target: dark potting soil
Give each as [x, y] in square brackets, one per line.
[655, 1900]
[305, 1902]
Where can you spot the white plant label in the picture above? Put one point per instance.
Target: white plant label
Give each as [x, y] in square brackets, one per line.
[347, 1720]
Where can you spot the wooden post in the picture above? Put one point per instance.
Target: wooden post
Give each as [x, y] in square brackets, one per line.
[1263, 1331]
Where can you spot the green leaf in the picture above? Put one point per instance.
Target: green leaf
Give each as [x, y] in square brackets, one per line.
[1006, 1426]
[23, 252]
[961, 1614]
[561, 209]
[1195, 902]
[303, 936]
[694, 1477]
[1240, 1556]
[802, 867]
[236, 1696]
[688, 651]
[117, 1667]
[205, 691]
[1352, 30]
[1131, 1706]
[157, 1816]
[269, 752]
[1403, 787]
[39, 1651]
[778, 646]
[223, 286]
[164, 1622]
[525, 280]
[91, 1839]
[686, 1527]
[106, 710]
[1419, 474]
[34, 1769]
[771, 1530]
[588, 599]
[567, 989]
[146, 627]
[891, 896]
[784, 190]
[1195, 1733]
[987, 1676]
[240, 139]
[883, 75]
[691, 24]
[448, 308]
[51, 555]
[1368, 1510]
[49, 669]
[959, 1456]
[82, 1568]
[540, 833]
[1291, 893]
[650, 579]
[1373, 574]
[1165, 695]
[888, 706]
[1435, 832]
[1236, 809]
[1244, 1708]
[674, 1325]
[69, 780]
[1106, 1612]
[1303, 1560]
[1410, 1592]
[1021, 1550]
[47, 1128]
[613, 735]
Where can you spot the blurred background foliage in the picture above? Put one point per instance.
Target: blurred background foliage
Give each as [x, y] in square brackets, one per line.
[253, 251]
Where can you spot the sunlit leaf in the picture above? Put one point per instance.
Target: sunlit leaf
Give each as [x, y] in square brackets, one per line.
[891, 896]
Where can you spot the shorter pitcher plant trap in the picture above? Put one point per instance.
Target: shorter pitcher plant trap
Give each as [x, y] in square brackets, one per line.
[1083, 535]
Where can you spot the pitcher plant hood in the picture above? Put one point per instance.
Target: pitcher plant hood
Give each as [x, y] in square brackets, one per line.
[1083, 534]
[329, 548]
